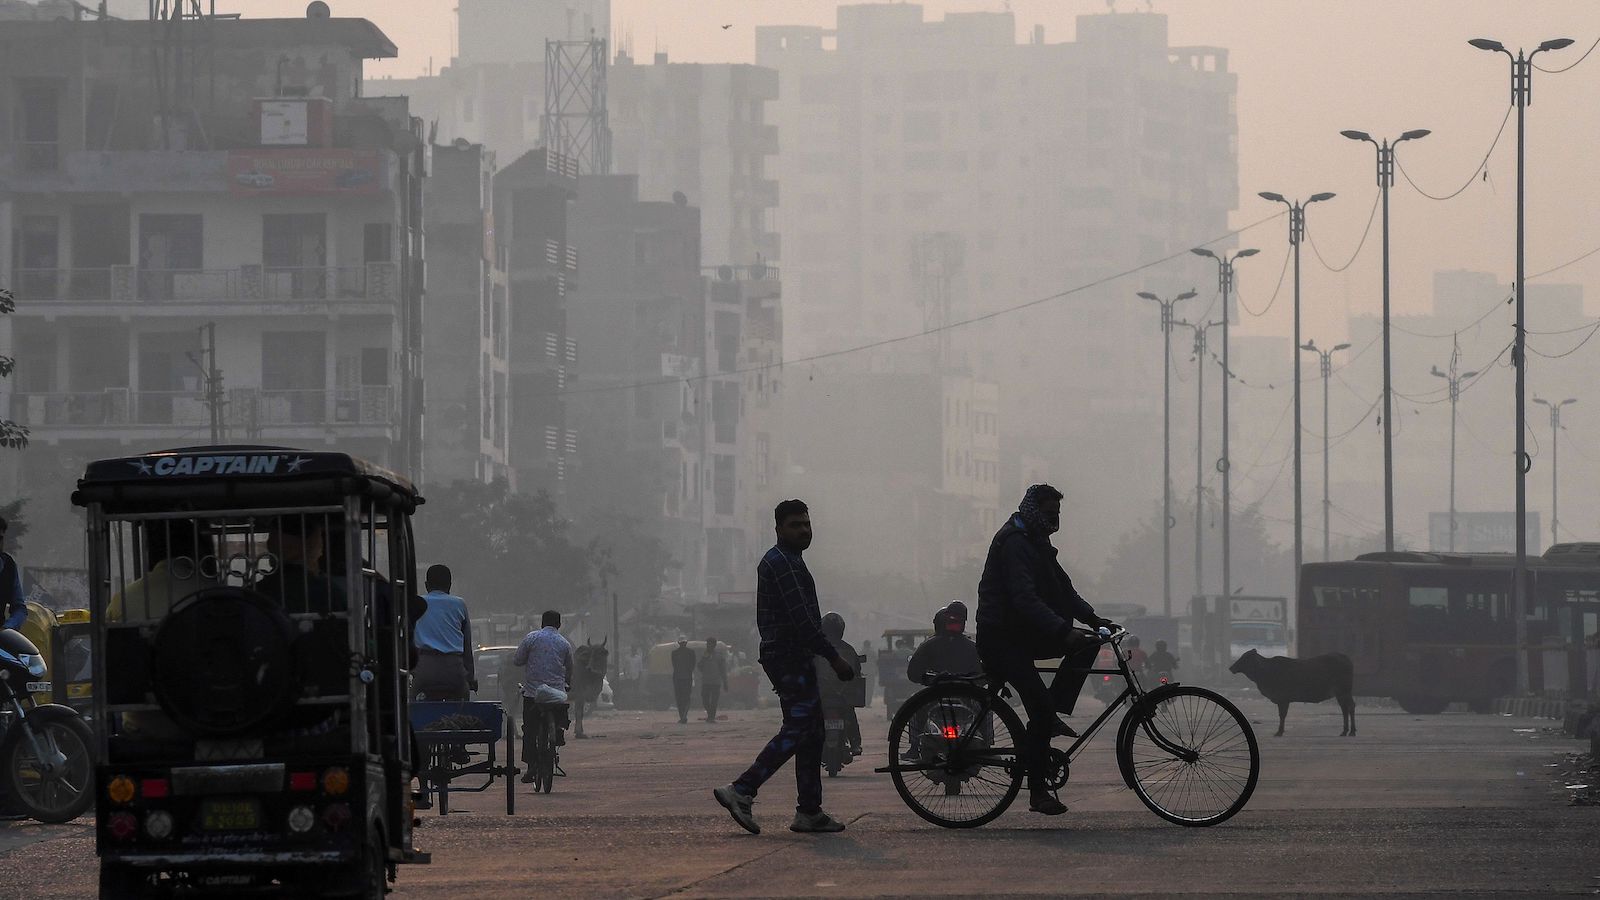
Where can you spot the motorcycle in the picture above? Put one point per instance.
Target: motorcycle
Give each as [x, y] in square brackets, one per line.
[46, 762]
[835, 745]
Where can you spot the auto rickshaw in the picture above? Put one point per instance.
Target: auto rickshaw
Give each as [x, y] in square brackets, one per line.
[249, 645]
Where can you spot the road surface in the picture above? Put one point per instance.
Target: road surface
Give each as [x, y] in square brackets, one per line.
[1447, 805]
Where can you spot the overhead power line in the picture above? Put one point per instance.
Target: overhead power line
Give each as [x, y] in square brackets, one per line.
[1312, 238]
[1274, 298]
[1574, 65]
[1482, 163]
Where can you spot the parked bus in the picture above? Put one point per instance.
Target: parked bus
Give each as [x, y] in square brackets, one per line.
[1428, 629]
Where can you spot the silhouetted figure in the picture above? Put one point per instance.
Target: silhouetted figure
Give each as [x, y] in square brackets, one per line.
[683, 663]
[790, 623]
[834, 695]
[446, 669]
[1026, 606]
[713, 678]
[949, 651]
[1285, 680]
[1162, 661]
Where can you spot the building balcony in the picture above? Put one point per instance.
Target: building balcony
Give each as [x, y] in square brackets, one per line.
[372, 283]
[560, 256]
[119, 413]
[756, 192]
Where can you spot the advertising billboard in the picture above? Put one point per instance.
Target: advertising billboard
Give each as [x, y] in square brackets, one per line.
[305, 171]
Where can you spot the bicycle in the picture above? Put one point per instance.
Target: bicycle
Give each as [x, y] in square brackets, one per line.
[1185, 751]
[539, 738]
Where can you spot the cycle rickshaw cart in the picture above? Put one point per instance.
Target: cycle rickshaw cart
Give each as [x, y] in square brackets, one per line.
[447, 731]
[1185, 751]
[249, 645]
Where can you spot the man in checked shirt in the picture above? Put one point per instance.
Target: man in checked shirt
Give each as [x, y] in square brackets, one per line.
[791, 634]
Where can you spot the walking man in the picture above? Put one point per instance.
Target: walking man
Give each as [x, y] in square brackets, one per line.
[444, 643]
[713, 678]
[683, 678]
[15, 602]
[790, 623]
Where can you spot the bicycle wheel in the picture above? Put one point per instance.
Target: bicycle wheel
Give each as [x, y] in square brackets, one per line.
[953, 756]
[547, 753]
[1192, 755]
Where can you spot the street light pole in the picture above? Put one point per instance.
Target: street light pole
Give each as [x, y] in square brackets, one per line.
[1555, 471]
[1454, 380]
[1225, 284]
[1327, 446]
[1166, 442]
[1297, 232]
[1521, 94]
[1385, 181]
[1199, 449]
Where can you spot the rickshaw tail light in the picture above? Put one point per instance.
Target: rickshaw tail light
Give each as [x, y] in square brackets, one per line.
[121, 789]
[153, 788]
[336, 782]
[302, 781]
[300, 819]
[122, 825]
[950, 732]
[336, 816]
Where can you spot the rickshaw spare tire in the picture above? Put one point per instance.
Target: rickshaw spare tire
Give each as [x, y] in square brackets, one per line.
[224, 662]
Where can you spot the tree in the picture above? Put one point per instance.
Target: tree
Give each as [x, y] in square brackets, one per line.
[630, 561]
[16, 520]
[508, 552]
[12, 435]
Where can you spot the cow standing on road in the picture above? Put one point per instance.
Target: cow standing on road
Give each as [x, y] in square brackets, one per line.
[1285, 680]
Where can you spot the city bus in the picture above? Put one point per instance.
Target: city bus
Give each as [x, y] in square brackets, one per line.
[1429, 629]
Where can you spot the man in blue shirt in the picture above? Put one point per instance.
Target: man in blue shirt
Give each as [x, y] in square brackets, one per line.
[546, 658]
[14, 602]
[444, 643]
[790, 623]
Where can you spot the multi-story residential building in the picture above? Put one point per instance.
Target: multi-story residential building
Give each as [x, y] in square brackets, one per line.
[644, 404]
[217, 177]
[532, 220]
[701, 130]
[467, 333]
[1044, 167]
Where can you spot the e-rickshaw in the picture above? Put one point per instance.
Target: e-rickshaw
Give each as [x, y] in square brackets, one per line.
[250, 671]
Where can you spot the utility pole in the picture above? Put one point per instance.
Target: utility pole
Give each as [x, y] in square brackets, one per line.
[1454, 380]
[1521, 94]
[1555, 471]
[214, 401]
[1166, 443]
[1224, 465]
[1199, 449]
[1385, 150]
[1297, 233]
[1327, 445]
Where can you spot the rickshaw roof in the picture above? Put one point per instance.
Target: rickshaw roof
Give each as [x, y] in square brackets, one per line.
[184, 469]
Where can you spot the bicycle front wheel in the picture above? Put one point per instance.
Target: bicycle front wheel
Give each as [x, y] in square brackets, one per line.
[1191, 754]
[953, 755]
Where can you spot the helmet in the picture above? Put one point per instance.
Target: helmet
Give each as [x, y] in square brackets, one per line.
[940, 620]
[958, 609]
[1133, 641]
[833, 625]
[1161, 645]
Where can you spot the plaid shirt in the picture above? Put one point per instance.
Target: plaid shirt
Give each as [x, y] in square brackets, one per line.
[786, 608]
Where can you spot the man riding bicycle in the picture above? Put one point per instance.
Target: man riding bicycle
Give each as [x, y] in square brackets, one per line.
[546, 658]
[1026, 606]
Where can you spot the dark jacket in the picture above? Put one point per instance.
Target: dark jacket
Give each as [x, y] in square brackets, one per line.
[951, 654]
[1025, 598]
[683, 660]
[787, 615]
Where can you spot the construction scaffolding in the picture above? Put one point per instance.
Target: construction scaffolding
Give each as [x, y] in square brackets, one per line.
[575, 123]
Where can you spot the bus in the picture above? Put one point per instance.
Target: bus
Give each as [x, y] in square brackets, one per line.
[1429, 629]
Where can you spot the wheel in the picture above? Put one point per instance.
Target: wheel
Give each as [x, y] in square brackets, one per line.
[441, 780]
[511, 767]
[1422, 706]
[1191, 756]
[955, 734]
[66, 790]
[375, 865]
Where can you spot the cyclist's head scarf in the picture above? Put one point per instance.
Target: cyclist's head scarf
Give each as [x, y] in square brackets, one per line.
[1033, 518]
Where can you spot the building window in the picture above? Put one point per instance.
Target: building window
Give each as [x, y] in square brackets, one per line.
[376, 243]
[39, 125]
[723, 483]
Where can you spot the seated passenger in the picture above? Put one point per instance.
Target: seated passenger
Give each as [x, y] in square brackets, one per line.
[297, 544]
[175, 555]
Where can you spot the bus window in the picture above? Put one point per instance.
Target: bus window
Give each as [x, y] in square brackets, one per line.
[1481, 605]
[1436, 598]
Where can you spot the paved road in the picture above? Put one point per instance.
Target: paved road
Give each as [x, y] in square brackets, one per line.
[1444, 805]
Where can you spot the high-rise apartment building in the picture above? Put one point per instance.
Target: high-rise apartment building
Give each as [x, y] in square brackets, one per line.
[467, 334]
[213, 237]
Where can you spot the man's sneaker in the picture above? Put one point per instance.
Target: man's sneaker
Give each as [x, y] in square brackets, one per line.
[818, 822]
[738, 806]
[1062, 729]
[1047, 804]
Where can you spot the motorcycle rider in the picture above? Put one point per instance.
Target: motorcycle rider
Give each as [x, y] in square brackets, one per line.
[1026, 606]
[1162, 661]
[949, 651]
[834, 693]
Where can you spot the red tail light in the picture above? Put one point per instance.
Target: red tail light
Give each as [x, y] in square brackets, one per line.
[336, 816]
[1163, 679]
[1105, 677]
[302, 781]
[153, 788]
[122, 825]
[951, 732]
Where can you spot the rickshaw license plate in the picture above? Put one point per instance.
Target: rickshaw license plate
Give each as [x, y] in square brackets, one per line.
[834, 725]
[38, 687]
[230, 815]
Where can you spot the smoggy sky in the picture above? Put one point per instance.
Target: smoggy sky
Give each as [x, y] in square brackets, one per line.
[1307, 69]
